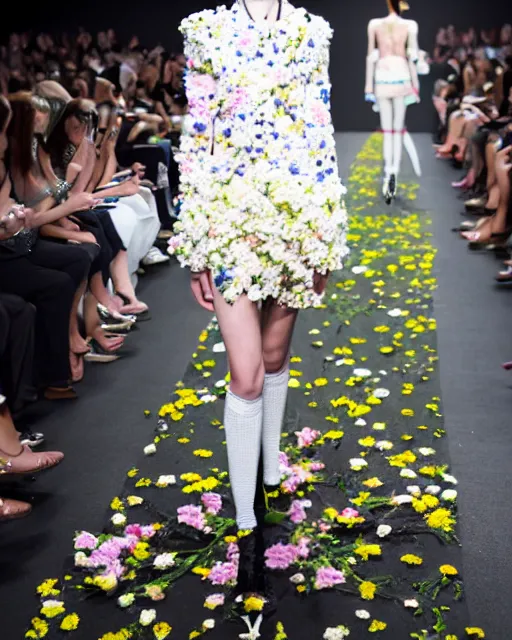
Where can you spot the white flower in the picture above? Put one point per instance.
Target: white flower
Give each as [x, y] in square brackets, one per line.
[381, 393]
[356, 464]
[433, 490]
[81, 560]
[164, 561]
[379, 426]
[408, 473]
[362, 614]
[126, 600]
[395, 313]
[118, 519]
[411, 604]
[208, 398]
[147, 617]
[383, 373]
[448, 478]
[362, 373]
[338, 363]
[150, 449]
[220, 347]
[298, 578]
[414, 490]
[398, 500]
[359, 269]
[360, 422]
[208, 624]
[384, 445]
[351, 560]
[449, 494]
[384, 530]
[165, 481]
[426, 451]
[336, 633]
[329, 358]
[220, 384]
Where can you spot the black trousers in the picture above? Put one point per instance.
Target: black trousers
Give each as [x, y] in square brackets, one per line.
[17, 336]
[48, 277]
[100, 224]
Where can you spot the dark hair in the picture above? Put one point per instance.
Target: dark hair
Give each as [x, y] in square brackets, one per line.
[395, 5]
[5, 111]
[58, 140]
[21, 131]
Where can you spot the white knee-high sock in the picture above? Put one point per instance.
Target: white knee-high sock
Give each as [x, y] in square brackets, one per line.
[275, 391]
[243, 422]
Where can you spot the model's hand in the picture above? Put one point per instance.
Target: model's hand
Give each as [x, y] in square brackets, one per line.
[320, 282]
[202, 288]
[369, 97]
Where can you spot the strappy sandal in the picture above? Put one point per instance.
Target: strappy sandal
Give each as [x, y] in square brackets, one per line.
[505, 276]
[13, 509]
[15, 466]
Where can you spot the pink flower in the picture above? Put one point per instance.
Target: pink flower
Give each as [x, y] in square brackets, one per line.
[297, 511]
[233, 553]
[317, 466]
[212, 503]
[192, 516]
[327, 577]
[320, 114]
[133, 530]
[215, 600]
[86, 540]
[324, 527]
[222, 573]
[303, 548]
[298, 476]
[148, 531]
[306, 437]
[349, 513]
[281, 556]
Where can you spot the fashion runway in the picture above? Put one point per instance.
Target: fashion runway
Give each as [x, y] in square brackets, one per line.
[105, 436]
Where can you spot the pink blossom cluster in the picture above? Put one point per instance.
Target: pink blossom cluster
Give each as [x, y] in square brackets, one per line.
[297, 511]
[140, 531]
[349, 513]
[212, 502]
[223, 573]
[108, 555]
[307, 437]
[192, 516]
[297, 475]
[281, 556]
[86, 540]
[303, 549]
[328, 577]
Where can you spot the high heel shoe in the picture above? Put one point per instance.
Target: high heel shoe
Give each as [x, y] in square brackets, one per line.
[13, 509]
[60, 393]
[109, 317]
[100, 355]
[141, 315]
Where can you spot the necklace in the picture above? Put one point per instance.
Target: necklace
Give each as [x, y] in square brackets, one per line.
[272, 3]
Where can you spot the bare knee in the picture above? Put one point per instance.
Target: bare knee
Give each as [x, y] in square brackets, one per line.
[274, 358]
[248, 384]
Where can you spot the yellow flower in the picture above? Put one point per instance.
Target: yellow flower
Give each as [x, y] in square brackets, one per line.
[330, 513]
[402, 459]
[321, 382]
[143, 482]
[369, 441]
[162, 630]
[230, 539]
[116, 504]
[295, 374]
[193, 635]
[386, 350]
[367, 590]
[134, 501]
[190, 477]
[254, 604]
[333, 435]
[52, 608]
[105, 583]
[367, 550]
[296, 359]
[201, 571]
[301, 588]
[70, 622]
[428, 471]
[280, 632]
[475, 631]
[39, 629]
[377, 625]
[381, 329]
[440, 519]
[203, 453]
[132, 473]
[448, 570]
[408, 412]
[141, 552]
[411, 559]
[373, 483]
[47, 588]
[183, 440]
[451, 637]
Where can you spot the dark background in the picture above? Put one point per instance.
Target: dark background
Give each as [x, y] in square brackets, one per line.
[156, 22]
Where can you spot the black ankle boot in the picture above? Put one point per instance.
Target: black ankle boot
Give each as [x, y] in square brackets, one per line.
[251, 563]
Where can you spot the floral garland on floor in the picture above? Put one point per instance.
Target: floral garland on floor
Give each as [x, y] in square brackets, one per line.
[360, 482]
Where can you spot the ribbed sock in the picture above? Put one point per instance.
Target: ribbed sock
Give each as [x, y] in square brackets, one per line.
[243, 424]
[275, 391]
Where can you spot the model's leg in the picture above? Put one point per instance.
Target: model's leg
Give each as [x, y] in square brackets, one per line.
[399, 109]
[277, 329]
[240, 327]
[386, 124]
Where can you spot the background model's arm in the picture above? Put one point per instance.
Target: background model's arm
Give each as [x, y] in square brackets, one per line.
[413, 53]
[371, 58]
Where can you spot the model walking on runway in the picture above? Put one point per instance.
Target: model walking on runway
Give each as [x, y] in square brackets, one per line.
[262, 222]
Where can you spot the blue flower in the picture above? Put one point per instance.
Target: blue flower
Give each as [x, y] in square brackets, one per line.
[275, 134]
[199, 127]
[222, 276]
[239, 54]
[323, 144]
[278, 102]
[259, 54]
[259, 150]
[329, 171]
[242, 116]
[319, 163]
[248, 149]
[227, 133]
[276, 48]
[294, 169]
[311, 43]
[324, 95]
[320, 176]
[270, 63]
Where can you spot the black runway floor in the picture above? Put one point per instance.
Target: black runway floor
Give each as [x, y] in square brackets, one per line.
[104, 432]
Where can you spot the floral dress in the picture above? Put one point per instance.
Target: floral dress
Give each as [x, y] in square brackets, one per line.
[262, 199]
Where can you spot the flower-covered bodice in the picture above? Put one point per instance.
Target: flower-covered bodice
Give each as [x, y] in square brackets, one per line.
[258, 163]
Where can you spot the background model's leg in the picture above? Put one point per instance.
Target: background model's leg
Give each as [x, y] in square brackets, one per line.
[399, 109]
[386, 123]
[410, 147]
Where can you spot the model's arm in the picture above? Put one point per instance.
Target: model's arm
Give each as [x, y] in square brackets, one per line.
[413, 53]
[371, 59]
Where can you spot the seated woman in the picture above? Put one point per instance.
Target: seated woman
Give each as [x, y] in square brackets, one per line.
[43, 273]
